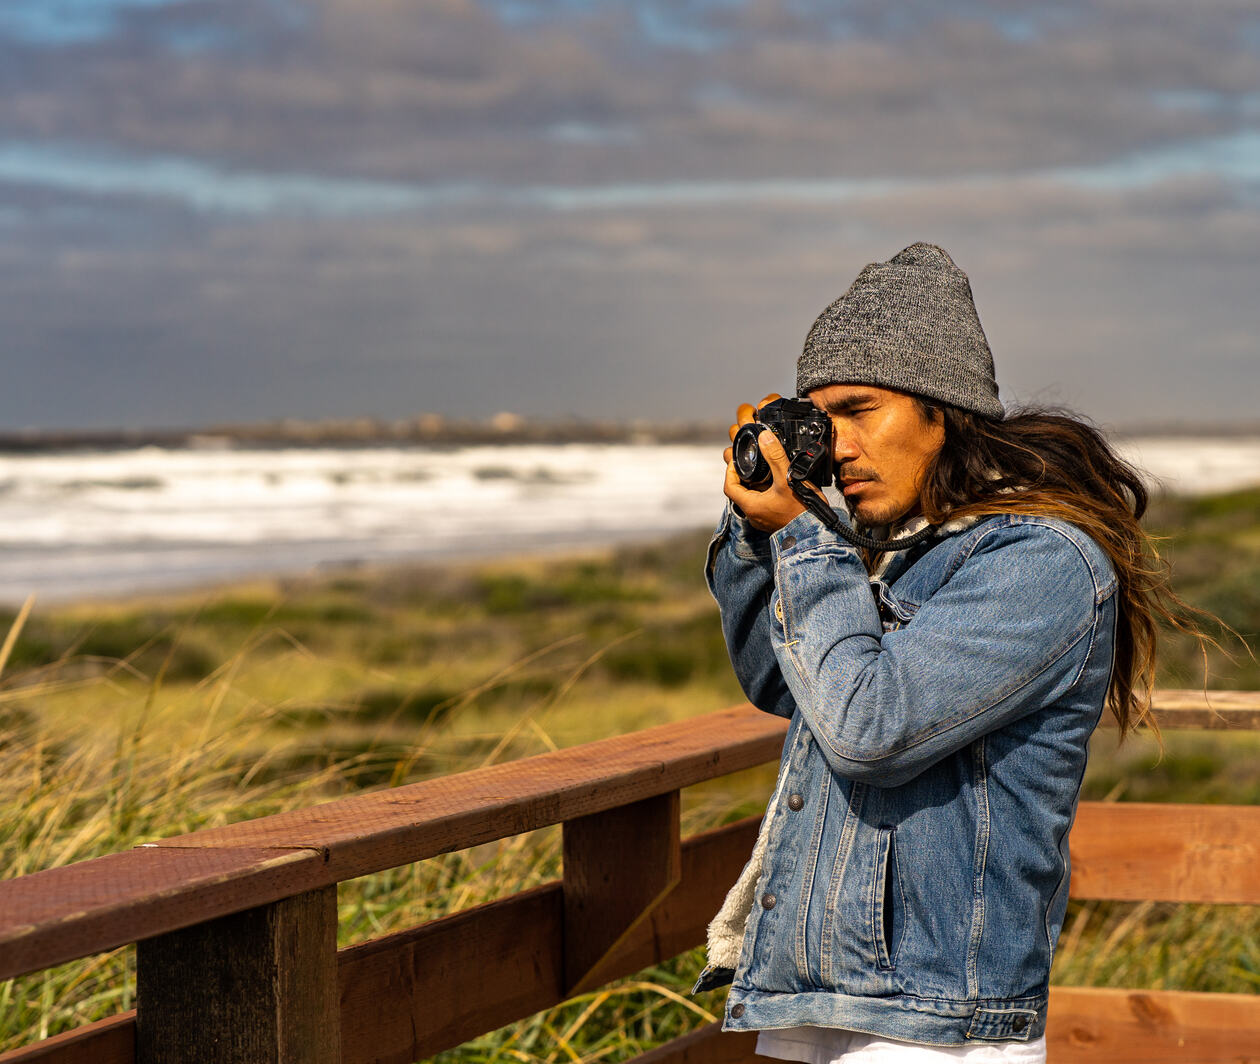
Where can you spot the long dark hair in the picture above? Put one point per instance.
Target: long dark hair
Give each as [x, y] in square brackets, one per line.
[1052, 464]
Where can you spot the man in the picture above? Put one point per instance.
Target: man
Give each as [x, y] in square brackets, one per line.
[911, 876]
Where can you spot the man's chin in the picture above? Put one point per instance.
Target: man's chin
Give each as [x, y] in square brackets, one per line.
[875, 515]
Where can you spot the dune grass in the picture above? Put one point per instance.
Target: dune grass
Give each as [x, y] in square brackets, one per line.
[124, 722]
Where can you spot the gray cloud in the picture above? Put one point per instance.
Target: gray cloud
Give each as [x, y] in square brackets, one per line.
[444, 89]
[196, 220]
[1123, 308]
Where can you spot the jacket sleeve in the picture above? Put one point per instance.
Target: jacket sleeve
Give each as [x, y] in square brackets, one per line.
[1008, 632]
[739, 571]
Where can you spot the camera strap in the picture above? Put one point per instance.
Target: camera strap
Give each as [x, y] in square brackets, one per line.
[814, 502]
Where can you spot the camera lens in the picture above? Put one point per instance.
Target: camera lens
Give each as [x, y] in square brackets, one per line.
[746, 454]
[752, 468]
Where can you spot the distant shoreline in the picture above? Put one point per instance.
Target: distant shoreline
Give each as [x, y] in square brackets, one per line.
[427, 431]
[434, 430]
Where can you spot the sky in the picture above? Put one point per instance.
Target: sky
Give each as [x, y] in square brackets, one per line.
[245, 210]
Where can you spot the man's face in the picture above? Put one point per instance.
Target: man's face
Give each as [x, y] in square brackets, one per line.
[883, 445]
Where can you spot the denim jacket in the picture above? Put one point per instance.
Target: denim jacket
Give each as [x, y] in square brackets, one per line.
[915, 869]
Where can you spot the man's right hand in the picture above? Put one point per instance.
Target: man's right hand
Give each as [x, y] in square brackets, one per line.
[772, 508]
[746, 415]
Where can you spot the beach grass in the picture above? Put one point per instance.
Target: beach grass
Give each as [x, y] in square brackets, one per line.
[127, 721]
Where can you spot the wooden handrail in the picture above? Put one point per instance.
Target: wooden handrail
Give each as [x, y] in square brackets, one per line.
[61, 914]
[199, 881]
[91, 906]
[1194, 708]
[417, 992]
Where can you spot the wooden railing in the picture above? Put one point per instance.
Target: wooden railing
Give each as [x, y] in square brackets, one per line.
[236, 927]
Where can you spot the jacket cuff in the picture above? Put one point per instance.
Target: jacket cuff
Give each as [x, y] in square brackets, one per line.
[747, 540]
[805, 532]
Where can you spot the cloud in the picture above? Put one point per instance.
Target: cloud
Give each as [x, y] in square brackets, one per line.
[100, 173]
[1123, 307]
[217, 211]
[1233, 160]
[449, 90]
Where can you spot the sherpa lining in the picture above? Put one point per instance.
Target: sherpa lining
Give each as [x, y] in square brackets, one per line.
[726, 930]
[954, 524]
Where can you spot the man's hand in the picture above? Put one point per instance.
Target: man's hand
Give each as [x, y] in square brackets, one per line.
[772, 508]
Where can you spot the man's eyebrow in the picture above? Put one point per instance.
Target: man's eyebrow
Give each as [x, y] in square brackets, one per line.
[841, 406]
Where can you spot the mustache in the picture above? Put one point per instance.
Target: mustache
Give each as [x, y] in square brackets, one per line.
[855, 473]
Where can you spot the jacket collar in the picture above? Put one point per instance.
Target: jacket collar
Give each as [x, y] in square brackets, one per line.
[888, 560]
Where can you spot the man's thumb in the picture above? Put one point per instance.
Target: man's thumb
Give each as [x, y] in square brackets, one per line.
[771, 447]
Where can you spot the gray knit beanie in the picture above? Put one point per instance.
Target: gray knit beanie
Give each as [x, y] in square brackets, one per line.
[909, 323]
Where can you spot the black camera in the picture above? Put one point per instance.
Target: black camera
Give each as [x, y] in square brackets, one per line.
[805, 432]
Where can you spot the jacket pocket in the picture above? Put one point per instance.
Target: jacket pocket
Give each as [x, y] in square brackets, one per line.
[888, 901]
[894, 613]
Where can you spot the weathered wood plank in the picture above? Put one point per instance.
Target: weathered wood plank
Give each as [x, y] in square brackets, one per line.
[1213, 710]
[618, 865]
[1086, 1026]
[257, 987]
[58, 915]
[1096, 1026]
[410, 995]
[109, 1041]
[67, 913]
[383, 829]
[55, 916]
[1139, 851]
[705, 1045]
[370, 832]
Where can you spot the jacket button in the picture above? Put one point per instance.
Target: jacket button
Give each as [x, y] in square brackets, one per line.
[767, 901]
[796, 803]
[787, 542]
[1019, 1023]
[737, 1011]
[778, 611]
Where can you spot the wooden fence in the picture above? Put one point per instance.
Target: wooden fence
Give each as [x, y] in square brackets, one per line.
[236, 927]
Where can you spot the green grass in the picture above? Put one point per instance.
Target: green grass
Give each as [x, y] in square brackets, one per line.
[1212, 546]
[126, 722]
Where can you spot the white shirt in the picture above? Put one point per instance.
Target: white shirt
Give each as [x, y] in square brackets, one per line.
[825, 1045]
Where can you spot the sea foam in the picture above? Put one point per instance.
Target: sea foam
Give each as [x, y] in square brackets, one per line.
[109, 523]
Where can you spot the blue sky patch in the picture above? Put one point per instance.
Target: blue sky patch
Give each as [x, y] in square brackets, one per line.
[64, 22]
[1234, 159]
[81, 170]
[591, 133]
[95, 172]
[665, 23]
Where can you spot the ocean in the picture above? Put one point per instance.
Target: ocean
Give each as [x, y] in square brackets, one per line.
[89, 525]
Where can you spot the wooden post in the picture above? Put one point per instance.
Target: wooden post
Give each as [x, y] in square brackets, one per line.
[617, 866]
[257, 987]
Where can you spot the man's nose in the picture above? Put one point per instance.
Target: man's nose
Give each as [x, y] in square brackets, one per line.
[844, 448]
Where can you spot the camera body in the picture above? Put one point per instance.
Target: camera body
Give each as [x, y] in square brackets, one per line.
[805, 432]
